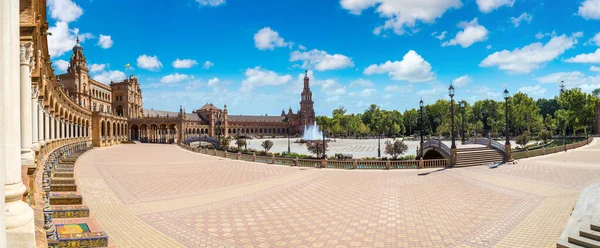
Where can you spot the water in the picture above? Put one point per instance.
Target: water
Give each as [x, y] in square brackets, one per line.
[312, 132]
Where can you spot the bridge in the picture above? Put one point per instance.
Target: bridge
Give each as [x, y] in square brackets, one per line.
[211, 140]
[476, 151]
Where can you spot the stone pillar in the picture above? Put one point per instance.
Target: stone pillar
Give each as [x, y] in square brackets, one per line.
[453, 157]
[40, 112]
[34, 119]
[52, 127]
[16, 220]
[47, 137]
[27, 154]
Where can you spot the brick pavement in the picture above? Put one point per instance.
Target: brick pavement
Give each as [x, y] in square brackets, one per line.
[162, 196]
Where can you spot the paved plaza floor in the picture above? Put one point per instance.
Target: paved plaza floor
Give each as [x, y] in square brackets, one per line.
[148, 195]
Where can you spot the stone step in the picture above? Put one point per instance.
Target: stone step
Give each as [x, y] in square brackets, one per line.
[564, 244]
[62, 181]
[583, 241]
[69, 211]
[63, 175]
[581, 218]
[587, 232]
[471, 149]
[79, 232]
[64, 169]
[65, 198]
[63, 187]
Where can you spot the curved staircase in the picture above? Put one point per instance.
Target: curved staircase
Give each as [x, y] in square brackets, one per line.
[583, 228]
[475, 155]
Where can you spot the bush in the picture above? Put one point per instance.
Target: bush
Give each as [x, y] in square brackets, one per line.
[523, 139]
[395, 148]
[545, 135]
[267, 145]
[316, 147]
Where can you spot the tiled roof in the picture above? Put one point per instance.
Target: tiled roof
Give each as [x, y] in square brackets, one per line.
[152, 112]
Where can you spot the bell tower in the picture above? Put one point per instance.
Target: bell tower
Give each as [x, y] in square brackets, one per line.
[307, 112]
[80, 74]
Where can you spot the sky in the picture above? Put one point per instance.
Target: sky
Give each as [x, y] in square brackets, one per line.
[252, 55]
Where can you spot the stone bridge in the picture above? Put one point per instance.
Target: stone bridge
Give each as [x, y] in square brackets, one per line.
[211, 140]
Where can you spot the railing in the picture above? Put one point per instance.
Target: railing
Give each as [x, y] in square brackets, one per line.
[545, 151]
[371, 164]
[436, 163]
[437, 143]
[405, 164]
[340, 164]
[488, 142]
[334, 164]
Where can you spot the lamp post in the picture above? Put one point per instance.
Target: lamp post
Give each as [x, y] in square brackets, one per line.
[507, 148]
[288, 134]
[219, 130]
[324, 154]
[245, 137]
[378, 137]
[463, 106]
[421, 126]
[451, 94]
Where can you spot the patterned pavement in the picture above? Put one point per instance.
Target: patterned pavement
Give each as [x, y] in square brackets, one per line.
[161, 196]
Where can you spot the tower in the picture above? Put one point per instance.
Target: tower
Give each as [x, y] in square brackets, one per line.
[307, 112]
[77, 81]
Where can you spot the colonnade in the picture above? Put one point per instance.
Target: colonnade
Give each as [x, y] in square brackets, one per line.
[154, 133]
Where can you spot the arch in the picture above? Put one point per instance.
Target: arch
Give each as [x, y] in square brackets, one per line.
[103, 128]
[119, 110]
[429, 153]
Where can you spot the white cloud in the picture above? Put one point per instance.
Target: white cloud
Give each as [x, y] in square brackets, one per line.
[487, 6]
[213, 82]
[399, 89]
[400, 15]
[462, 81]
[333, 99]
[595, 69]
[572, 79]
[174, 78]
[590, 9]
[63, 39]
[64, 10]
[367, 92]
[388, 96]
[257, 77]
[207, 65]
[441, 36]
[321, 60]
[210, 3]
[596, 39]
[105, 41]
[361, 83]
[533, 91]
[333, 87]
[488, 47]
[184, 63]
[541, 35]
[523, 17]
[472, 32]
[97, 67]
[268, 39]
[585, 58]
[412, 68]
[301, 47]
[150, 63]
[61, 65]
[530, 57]
[107, 76]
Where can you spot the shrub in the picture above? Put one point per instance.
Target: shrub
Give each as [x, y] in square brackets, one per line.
[523, 139]
[316, 147]
[267, 145]
[395, 148]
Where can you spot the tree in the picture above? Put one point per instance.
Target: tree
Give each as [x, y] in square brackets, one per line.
[523, 139]
[545, 135]
[224, 142]
[395, 148]
[577, 113]
[241, 143]
[596, 92]
[267, 144]
[411, 121]
[316, 147]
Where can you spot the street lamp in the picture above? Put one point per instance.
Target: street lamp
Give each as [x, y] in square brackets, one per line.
[506, 131]
[421, 126]
[463, 106]
[219, 130]
[324, 154]
[451, 94]
[378, 137]
[288, 134]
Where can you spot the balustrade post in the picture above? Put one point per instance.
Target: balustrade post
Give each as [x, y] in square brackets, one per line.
[296, 161]
[387, 164]
[323, 163]
[421, 163]
[355, 164]
[272, 158]
[253, 157]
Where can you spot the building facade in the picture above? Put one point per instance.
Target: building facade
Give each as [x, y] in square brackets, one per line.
[212, 121]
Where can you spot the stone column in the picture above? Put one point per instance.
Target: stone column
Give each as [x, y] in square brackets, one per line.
[40, 113]
[52, 128]
[16, 220]
[47, 137]
[34, 119]
[27, 154]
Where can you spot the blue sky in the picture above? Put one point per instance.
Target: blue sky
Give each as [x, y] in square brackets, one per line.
[251, 55]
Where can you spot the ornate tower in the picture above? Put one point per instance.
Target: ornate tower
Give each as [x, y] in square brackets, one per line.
[80, 86]
[307, 112]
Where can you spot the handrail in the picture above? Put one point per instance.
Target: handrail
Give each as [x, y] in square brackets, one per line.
[488, 142]
[437, 143]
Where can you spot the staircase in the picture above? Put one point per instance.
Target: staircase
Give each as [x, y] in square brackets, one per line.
[583, 228]
[474, 156]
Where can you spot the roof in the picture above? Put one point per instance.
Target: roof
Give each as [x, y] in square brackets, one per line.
[152, 112]
[208, 106]
[192, 117]
[255, 118]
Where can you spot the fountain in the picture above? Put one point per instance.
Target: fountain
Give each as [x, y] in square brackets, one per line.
[312, 132]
